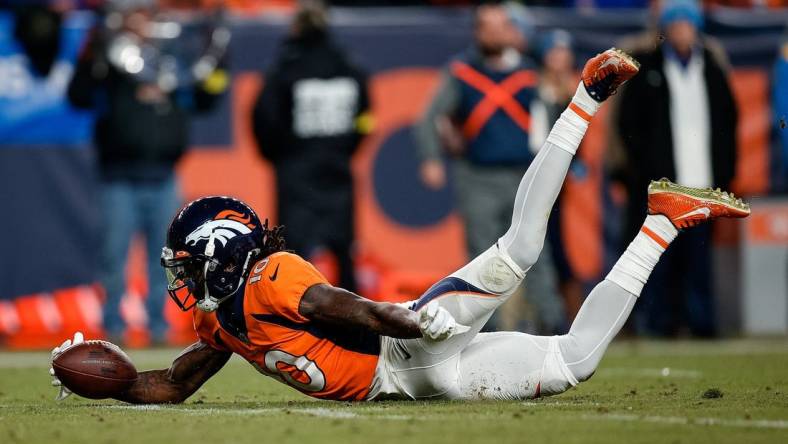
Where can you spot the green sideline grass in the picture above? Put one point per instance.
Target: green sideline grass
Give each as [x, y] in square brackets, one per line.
[685, 392]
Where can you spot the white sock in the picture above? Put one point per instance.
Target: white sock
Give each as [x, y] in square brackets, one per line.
[636, 264]
[570, 128]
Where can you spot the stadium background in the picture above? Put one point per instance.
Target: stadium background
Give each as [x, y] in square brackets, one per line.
[408, 235]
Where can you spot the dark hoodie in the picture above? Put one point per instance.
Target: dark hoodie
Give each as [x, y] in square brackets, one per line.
[305, 120]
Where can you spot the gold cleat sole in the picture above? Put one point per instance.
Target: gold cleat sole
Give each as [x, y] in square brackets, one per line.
[707, 195]
[627, 58]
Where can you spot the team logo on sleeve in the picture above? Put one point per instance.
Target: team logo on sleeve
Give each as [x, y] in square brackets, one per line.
[225, 226]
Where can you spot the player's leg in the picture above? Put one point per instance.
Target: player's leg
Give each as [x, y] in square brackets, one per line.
[549, 365]
[475, 291]
[604, 312]
[520, 366]
[543, 181]
[487, 281]
[510, 366]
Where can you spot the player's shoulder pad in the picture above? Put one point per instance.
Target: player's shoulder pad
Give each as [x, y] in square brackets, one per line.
[283, 258]
[277, 283]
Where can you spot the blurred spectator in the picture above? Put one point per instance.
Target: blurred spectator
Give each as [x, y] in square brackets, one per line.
[645, 42]
[141, 132]
[557, 85]
[780, 110]
[37, 30]
[480, 114]
[677, 119]
[309, 120]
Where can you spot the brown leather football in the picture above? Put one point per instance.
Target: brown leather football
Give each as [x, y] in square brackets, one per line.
[95, 369]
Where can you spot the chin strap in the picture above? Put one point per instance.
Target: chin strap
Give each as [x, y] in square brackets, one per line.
[210, 247]
[207, 303]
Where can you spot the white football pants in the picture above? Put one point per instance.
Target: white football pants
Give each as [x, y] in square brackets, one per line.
[504, 365]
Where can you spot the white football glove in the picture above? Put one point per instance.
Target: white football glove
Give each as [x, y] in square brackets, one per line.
[68, 343]
[436, 323]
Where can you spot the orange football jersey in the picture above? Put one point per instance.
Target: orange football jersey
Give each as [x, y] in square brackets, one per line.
[265, 328]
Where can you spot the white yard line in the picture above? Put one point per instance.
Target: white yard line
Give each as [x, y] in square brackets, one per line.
[553, 403]
[327, 413]
[649, 372]
[237, 412]
[320, 412]
[140, 407]
[681, 420]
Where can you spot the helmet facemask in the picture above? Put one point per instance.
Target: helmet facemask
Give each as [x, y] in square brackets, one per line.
[185, 278]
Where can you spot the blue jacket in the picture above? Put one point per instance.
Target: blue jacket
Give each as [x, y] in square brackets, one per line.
[499, 138]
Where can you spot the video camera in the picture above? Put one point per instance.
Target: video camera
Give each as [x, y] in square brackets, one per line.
[172, 48]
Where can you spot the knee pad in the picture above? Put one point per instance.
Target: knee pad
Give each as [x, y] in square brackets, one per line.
[493, 271]
[498, 273]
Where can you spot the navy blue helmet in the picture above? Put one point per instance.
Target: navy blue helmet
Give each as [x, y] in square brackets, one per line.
[211, 245]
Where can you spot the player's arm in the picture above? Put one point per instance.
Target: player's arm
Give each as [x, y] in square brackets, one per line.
[332, 305]
[188, 372]
[329, 304]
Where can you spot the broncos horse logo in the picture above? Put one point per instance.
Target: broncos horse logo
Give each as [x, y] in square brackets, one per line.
[225, 226]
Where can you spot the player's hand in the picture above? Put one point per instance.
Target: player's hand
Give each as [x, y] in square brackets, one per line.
[433, 174]
[436, 323]
[68, 343]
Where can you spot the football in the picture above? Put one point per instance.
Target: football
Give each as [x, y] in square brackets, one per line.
[95, 369]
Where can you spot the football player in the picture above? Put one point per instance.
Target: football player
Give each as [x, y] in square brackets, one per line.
[279, 313]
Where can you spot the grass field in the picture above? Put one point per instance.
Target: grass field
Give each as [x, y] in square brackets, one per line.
[671, 392]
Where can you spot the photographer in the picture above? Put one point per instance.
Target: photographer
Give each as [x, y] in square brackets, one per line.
[141, 131]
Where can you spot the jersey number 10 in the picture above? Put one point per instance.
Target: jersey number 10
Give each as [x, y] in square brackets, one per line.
[297, 371]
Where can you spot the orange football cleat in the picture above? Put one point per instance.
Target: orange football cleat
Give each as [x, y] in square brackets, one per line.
[687, 207]
[605, 72]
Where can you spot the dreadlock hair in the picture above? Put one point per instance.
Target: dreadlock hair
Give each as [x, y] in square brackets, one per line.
[273, 239]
